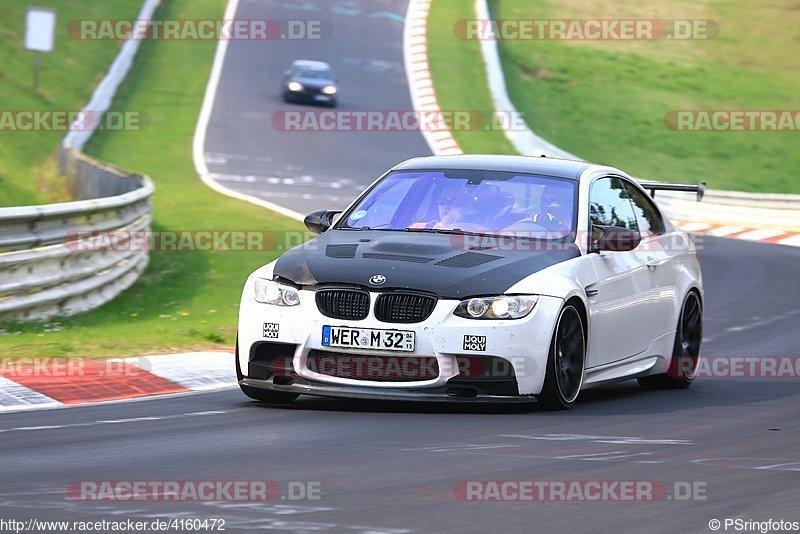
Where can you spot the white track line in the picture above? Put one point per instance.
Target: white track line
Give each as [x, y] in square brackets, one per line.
[111, 421]
[199, 142]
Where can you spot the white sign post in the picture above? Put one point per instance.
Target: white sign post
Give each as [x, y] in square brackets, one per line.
[40, 29]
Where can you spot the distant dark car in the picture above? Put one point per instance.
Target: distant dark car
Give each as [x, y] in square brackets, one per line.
[310, 82]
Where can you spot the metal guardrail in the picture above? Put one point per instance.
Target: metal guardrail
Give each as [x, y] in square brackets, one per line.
[43, 273]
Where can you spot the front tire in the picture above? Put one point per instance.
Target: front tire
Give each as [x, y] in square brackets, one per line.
[272, 397]
[685, 349]
[565, 362]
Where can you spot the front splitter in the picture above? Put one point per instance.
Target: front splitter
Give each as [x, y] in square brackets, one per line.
[438, 394]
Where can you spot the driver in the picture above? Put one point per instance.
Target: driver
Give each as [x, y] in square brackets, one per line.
[555, 209]
[457, 205]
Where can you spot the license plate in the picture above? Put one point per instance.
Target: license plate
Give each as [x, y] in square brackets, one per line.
[367, 338]
[322, 98]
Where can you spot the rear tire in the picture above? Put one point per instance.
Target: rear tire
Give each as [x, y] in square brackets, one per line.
[565, 362]
[273, 397]
[685, 349]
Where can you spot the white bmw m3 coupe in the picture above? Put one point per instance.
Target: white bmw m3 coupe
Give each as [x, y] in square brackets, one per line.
[478, 279]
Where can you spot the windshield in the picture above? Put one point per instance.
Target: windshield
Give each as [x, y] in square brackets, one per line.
[313, 74]
[492, 203]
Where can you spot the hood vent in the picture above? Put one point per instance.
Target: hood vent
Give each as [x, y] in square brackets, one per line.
[467, 260]
[341, 251]
[395, 257]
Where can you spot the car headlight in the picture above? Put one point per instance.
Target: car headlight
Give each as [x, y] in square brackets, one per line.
[329, 90]
[502, 307]
[269, 292]
[295, 86]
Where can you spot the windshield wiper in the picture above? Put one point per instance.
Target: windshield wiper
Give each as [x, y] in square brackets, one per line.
[457, 231]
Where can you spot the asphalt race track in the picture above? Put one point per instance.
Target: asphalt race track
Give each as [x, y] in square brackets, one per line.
[385, 467]
[307, 170]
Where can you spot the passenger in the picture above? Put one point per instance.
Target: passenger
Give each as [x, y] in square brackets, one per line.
[555, 210]
[496, 207]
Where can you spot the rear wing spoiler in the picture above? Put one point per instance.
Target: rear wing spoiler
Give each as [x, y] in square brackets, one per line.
[700, 188]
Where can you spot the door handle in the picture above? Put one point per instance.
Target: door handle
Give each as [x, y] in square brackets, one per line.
[652, 263]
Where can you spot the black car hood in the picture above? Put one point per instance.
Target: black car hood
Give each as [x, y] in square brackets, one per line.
[441, 264]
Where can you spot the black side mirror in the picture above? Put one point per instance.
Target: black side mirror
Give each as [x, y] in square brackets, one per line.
[319, 221]
[613, 239]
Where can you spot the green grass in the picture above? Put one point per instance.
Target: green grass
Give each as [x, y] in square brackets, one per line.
[459, 77]
[606, 101]
[68, 76]
[185, 300]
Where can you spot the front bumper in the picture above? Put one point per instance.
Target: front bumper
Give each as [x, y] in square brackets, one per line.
[523, 343]
[311, 97]
[436, 394]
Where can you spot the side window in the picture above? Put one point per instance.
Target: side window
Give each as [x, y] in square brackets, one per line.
[647, 216]
[610, 204]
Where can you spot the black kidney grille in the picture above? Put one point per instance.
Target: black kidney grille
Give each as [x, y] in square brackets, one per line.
[349, 304]
[404, 307]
